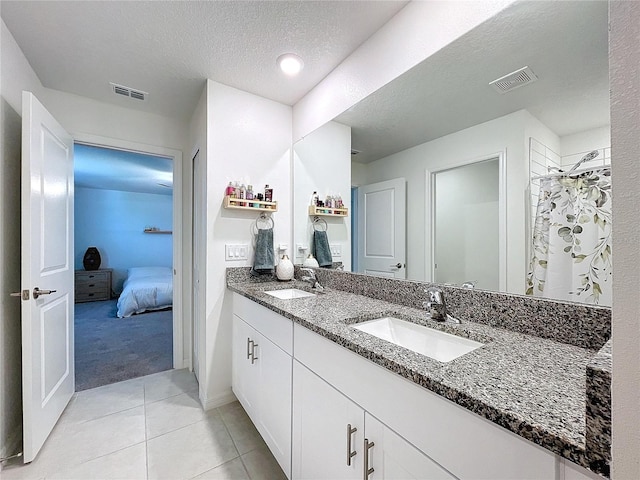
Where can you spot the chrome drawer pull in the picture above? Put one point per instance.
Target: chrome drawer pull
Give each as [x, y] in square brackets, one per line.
[253, 353]
[350, 454]
[367, 470]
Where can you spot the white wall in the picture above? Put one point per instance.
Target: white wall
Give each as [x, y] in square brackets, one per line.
[113, 221]
[504, 134]
[624, 72]
[416, 32]
[15, 75]
[322, 163]
[247, 137]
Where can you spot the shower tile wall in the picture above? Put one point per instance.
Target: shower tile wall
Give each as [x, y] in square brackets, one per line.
[541, 160]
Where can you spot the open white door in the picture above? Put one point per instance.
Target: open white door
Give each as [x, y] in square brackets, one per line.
[47, 273]
[382, 228]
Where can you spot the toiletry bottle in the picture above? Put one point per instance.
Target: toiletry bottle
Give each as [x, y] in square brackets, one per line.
[236, 190]
[243, 194]
[268, 194]
[229, 190]
[249, 195]
[314, 199]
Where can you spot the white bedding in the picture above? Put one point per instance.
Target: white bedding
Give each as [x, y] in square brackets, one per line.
[146, 288]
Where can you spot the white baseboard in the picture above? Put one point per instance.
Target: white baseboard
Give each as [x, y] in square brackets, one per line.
[217, 400]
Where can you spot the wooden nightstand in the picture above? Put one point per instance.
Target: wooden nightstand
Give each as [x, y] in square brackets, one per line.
[93, 285]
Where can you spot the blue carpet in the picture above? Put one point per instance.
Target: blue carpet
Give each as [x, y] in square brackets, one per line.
[110, 349]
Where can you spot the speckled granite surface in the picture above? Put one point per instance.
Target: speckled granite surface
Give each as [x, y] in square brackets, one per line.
[533, 386]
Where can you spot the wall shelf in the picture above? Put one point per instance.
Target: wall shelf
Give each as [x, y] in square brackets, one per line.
[328, 211]
[150, 230]
[243, 204]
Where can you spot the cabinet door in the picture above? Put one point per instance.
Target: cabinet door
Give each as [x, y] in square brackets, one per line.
[321, 439]
[244, 377]
[392, 457]
[274, 385]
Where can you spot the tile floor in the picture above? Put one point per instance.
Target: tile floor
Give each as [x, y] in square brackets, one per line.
[150, 428]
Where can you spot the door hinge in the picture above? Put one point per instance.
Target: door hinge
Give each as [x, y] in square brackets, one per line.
[24, 294]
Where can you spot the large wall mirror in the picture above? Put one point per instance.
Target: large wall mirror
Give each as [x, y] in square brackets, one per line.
[469, 156]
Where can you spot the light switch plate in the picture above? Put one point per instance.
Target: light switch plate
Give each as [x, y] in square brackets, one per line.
[236, 252]
[336, 250]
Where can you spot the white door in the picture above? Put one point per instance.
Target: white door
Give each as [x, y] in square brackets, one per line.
[466, 224]
[47, 265]
[196, 242]
[382, 228]
[328, 430]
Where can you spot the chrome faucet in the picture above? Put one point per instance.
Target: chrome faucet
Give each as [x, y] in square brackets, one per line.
[311, 278]
[436, 305]
[470, 285]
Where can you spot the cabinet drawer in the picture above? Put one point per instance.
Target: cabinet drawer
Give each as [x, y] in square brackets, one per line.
[275, 327]
[101, 286]
[92, 296]
[92, 277]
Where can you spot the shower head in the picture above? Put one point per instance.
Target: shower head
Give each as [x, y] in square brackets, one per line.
[588, 157]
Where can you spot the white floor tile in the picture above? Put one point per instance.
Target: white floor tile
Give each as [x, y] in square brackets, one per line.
[172, 413]
[243, 432]
[71, 444]
[167, 384]
[232, 470]
[262, 466]
[101, 401]
[191, 450]
[127, 464]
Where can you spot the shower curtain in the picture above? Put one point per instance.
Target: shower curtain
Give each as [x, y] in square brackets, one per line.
[571, 257]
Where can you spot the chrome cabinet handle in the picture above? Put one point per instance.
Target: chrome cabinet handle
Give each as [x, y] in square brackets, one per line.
[350, 454]
[367, 470]
[397, 265]
[253, 353]
[249, 349]
[37, 292]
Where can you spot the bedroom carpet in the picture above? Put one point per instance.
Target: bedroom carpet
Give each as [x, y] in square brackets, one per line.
[110, 349]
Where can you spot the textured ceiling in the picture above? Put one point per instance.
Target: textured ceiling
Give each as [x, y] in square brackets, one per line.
[169, 48]
[108, 169]
[565, 44]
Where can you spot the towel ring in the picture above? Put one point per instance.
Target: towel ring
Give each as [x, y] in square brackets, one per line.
[317, 221]
[263, 217]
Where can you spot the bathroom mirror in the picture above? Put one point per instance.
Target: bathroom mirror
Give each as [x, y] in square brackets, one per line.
[443, 114]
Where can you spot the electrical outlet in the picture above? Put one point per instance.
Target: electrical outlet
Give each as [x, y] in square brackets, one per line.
[235, 252]
[336, 250]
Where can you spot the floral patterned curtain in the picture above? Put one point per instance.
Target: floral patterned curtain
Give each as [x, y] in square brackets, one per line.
[572, 239]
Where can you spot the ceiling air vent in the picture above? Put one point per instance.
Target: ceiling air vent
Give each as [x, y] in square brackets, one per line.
[128, 92]
[517, 79]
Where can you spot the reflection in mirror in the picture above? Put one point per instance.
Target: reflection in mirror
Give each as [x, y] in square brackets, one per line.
[466, 223]
[443, 113]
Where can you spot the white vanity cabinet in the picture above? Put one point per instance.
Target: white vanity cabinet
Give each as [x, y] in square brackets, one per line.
[262, 373]
[328, 430]
[319, 407]
[335, 438]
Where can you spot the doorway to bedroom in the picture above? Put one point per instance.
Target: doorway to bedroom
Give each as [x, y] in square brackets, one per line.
[124, 210]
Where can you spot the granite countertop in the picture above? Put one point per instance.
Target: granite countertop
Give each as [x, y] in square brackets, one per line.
[532, 386]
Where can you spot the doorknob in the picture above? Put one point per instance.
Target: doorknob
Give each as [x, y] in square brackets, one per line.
[24, 294]
[37, 292]
[397, 265]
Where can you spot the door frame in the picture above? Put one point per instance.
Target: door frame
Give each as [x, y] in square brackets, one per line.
[502, 213]
[181, 328]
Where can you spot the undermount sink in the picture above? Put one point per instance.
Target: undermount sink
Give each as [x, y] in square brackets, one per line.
[289, 293]
[435, 344]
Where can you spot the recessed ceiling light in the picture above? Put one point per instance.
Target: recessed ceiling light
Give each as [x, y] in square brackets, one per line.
[290, 63]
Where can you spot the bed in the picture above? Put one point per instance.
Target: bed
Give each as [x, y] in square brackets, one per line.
[145, 289]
